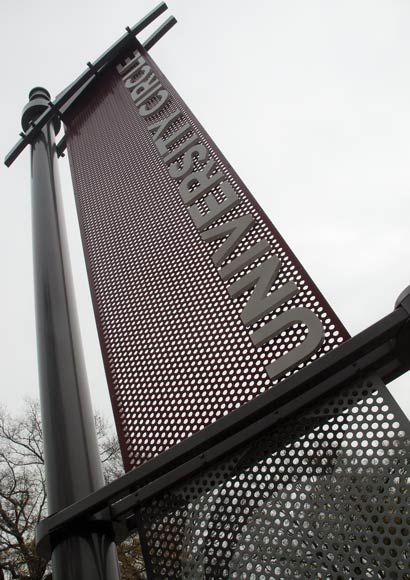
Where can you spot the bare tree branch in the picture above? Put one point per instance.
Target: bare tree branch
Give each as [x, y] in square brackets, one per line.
[23, 498]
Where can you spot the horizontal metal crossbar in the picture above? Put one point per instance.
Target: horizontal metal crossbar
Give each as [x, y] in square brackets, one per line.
[380, 349]
[93, 69]
[148, 44]
[159, 33]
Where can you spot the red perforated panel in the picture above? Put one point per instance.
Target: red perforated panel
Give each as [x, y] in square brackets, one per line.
[176, 351]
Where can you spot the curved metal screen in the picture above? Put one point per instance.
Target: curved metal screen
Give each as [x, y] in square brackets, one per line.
[175, 318]
[324, 495]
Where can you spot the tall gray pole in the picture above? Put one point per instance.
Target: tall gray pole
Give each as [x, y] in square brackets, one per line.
[73, 467]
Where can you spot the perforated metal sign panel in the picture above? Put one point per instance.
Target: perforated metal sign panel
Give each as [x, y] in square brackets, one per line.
[200, 303]
[324, 495]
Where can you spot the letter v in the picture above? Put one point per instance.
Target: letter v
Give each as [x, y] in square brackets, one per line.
[235, 229]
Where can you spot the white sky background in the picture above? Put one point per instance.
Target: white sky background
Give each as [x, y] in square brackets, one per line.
[308, 99]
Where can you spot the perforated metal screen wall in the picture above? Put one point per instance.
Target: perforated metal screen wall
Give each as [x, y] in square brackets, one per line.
[324, 495]
[177, 353]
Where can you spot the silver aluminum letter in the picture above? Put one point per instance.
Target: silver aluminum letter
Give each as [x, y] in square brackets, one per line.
[131, 83]
[128, 63]
[233, 231]
[245, 259]
[158, 129]
[140, 92]
[262, 301]
[163, 145]
[215, 209]
[203, 180]
[178, 171]
[298, 353]
[182, 147]
[145, 111]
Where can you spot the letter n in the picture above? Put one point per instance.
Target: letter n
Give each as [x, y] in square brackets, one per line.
[262, 301]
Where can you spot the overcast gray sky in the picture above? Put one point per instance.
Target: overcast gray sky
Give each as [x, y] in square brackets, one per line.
[308, 99]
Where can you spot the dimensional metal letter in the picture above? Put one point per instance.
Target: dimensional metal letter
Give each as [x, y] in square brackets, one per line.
[195, 153]
[235, 230]
[198, 183]
[163, 97]
[298, 353]
[214, 208]
[262, 301]
[245, 259]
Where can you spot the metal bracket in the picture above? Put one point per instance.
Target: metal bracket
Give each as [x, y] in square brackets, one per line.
[100, 522]
[93, 69]
[377, 350]
[56, 110]
[61, 147]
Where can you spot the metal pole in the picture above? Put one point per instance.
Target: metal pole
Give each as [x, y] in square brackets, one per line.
[73, 466]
